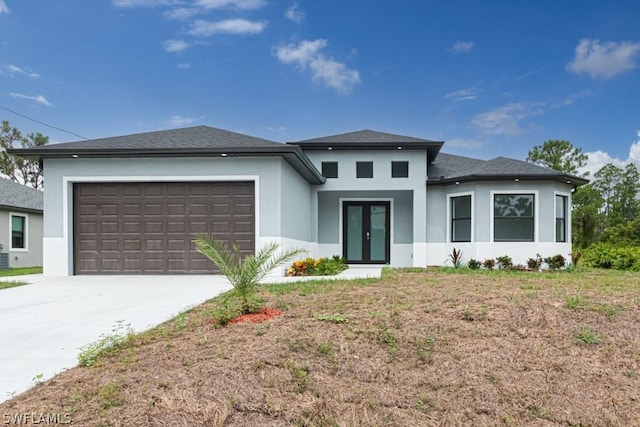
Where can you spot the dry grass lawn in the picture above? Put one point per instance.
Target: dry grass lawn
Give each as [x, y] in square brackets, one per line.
[413, 348]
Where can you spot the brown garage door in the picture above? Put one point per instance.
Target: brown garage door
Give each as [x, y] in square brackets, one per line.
[147, 228]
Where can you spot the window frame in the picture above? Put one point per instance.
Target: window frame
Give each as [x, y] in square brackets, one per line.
[322, 165]
[566, 220]
[25, 232]
[363, 164]
[535, 218]
[400, 163]
[450, 218]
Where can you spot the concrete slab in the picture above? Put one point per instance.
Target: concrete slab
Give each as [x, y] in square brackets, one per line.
[44, 324]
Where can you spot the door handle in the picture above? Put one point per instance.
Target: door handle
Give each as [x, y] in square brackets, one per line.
[368, 237]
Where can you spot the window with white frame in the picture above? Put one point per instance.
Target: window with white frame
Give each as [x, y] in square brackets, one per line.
[460, 218]
[513, 217]
[561, 218]
[18, 224]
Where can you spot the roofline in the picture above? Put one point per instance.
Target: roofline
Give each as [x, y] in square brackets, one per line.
[291, 154]
[432, 147]
[565, 178]
[21, 209]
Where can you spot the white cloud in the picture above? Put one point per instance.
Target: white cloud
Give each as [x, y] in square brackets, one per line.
[464, 143]
[571, 98]
[462, 95]
[179, 121]
[181, 13]
[597, 159]
[461, 47]
[175, 45]
[605, 60]
[231, 4]
[145, 3]
[505, 120]
[279, 129]
[13, 70]
[306, 54]
[38, 98]
[228, 26]
[3, 7]
[184, 66]
[294, 14]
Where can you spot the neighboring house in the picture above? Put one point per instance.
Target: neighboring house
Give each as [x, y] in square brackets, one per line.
[131, 204]
[21, 224]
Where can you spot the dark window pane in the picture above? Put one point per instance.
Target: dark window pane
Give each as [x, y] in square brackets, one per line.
[399, 169]
[560, 230]
[561, 218]
[461, 207]
[513, 218]
[461, 230]
[364, 169]
[17, 232]
[330, 169]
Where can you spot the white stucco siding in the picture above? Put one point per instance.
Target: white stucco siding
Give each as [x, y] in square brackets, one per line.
[483, 246]
[62, 173]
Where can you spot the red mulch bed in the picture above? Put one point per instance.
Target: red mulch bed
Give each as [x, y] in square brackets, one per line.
[259, 317]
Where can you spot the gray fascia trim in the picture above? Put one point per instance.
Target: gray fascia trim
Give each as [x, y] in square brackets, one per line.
[292, 154]
[21, 209]
[576, 181]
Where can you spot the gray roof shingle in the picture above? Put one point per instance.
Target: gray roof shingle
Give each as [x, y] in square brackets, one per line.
[447, 168]
[365, 137]
[14, 195]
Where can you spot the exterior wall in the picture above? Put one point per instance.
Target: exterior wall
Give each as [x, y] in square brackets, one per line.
[482, 245]
[32, 255]
[62, 173]
[408, 197]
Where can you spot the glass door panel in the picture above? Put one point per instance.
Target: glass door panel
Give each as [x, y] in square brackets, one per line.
[354, 233]
[378, 233]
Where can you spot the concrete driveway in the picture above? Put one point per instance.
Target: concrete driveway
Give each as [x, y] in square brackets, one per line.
[43, 324]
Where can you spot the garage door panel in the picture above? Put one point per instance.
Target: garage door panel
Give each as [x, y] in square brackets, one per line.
[148, 228]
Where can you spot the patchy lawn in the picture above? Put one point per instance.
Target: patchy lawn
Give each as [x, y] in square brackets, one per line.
[413, 348]
[6, 284]
[20, 271]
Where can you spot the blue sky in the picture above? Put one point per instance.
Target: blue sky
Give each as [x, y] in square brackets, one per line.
[489, 78]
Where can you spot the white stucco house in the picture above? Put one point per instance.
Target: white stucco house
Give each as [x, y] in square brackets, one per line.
[20, 225]
[131, 204]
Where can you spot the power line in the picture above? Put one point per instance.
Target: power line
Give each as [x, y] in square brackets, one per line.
[42, 123]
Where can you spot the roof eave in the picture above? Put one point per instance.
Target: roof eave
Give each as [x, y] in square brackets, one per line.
[564, 178]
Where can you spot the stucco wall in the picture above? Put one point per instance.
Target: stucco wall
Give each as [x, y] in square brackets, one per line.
[482, 245]
[32, 256]
[60, 175]
[295, 205]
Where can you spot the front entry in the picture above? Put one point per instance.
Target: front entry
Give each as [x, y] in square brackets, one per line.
[365, 232]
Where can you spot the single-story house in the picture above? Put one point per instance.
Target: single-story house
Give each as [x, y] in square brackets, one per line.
[131, 204]
[20, 225]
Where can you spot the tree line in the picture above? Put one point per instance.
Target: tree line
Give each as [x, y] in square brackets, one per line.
[15, 168]
[605, 210]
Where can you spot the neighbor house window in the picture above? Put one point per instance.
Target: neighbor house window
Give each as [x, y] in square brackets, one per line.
[461, 219]
[18, 231]
[364, 169]
[399, 169]
[513, 217]
[561, 218]
[330, 169]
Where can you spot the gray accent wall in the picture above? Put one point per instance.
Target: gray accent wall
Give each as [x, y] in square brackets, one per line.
[32, 257]
[295, 205]
[268, 169]
[329, 208]
[437, 209]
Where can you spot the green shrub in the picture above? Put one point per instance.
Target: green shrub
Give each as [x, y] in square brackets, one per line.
[489, 263]
[555, 262]
[474, 264]
[504, 262]
[606, 255]
[535, 263]
[318, 267]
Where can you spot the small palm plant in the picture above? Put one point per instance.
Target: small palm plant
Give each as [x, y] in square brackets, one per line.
[243, 273]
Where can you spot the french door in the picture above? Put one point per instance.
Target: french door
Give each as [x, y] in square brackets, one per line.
[365, 232]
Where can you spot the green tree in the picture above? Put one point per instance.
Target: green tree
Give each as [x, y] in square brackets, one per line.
[17, 169]
[586, 216]
[619, 190]
[559, 155]
[244, 274]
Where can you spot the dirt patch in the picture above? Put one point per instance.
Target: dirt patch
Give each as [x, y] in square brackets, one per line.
[410, 349]
[259, 317]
